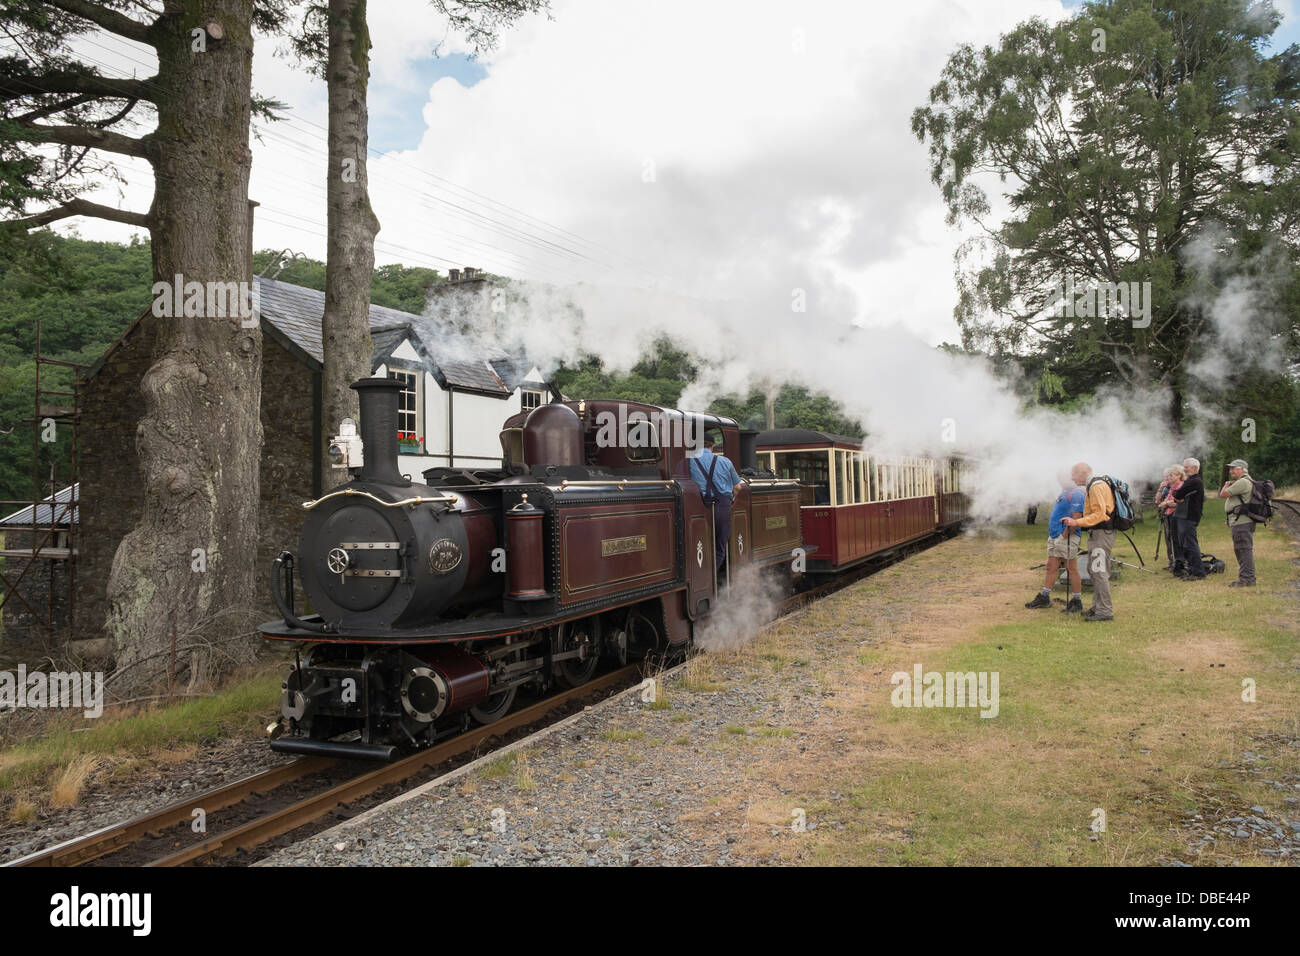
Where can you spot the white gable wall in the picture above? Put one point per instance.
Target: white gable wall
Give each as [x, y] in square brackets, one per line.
[460, 429]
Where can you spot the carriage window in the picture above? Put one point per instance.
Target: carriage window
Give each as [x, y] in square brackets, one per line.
[809, 468]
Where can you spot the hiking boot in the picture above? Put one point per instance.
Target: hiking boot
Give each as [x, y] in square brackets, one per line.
[1040, 600]
[1073, 606]
[1091, 617]
[1242, 584]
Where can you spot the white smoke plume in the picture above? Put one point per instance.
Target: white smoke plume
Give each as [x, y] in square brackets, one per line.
[777, 173]
[750, 603]
[911, 398]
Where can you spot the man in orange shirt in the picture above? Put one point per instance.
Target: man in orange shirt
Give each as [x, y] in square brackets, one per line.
[1098, 507]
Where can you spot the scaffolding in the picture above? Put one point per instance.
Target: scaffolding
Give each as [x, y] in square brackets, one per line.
[50, 522]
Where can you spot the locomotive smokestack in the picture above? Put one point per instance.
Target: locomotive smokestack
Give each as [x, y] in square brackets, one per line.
[378, 398]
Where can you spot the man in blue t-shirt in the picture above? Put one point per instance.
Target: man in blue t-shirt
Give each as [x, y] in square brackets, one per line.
[716, 477]
[1063, 545]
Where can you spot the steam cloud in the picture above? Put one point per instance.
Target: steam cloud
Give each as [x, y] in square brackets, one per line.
[780, 169]
[903, 390]
[751, 602]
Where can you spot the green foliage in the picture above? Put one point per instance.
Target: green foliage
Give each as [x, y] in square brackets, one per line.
[1123, 133]
[1272, 446]
[661, 376]
[85, 295]
[658, 378]
[394, 286]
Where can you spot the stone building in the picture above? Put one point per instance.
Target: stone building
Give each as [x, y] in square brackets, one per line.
[457, 393]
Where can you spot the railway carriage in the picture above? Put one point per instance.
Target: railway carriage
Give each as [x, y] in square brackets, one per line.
[858, 506]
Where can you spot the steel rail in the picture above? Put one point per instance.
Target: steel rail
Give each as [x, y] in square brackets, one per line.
[290, 818]
[115, 837]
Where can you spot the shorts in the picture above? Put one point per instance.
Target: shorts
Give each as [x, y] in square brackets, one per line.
[1064, 545]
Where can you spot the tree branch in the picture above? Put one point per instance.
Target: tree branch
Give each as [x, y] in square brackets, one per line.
[86, 136]
[110, 20]
[81, 207]
[77, 81]
[53, 108]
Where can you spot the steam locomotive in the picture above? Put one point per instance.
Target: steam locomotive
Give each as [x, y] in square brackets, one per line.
[434, 603]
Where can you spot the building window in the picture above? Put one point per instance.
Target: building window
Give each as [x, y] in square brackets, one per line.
[407, 423]
[530, 399]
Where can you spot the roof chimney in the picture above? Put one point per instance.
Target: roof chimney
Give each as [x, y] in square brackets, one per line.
[453, 275]
[470, 272]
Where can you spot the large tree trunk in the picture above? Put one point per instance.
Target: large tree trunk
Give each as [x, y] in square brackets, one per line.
[351, 222]
[182, 583]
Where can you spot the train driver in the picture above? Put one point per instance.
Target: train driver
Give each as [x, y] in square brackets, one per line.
[718, 482]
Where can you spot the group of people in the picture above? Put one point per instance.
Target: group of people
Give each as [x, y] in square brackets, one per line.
[1089, 503]
[1083, 503]
[1181, 510]
[1180, 502]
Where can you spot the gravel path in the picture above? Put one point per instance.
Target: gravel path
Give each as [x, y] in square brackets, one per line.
[1216, 821]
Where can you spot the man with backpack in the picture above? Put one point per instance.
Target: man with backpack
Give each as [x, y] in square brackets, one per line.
[1193, 493]
[1063, 548]
[1099, 510]
[718, 482]
[1240, 492]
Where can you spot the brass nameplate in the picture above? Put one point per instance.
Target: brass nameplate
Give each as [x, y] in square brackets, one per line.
[611, 546]
[777, 522]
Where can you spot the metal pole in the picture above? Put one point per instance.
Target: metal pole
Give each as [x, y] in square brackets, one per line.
[713, 541]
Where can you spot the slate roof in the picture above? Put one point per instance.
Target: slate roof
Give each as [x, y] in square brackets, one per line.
[291, 315]
[296, 312]
[778, 437]
[57, 511]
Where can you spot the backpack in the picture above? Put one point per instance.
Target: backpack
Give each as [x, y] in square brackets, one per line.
[1212, 564]
[1260, 506]
[1124, 516]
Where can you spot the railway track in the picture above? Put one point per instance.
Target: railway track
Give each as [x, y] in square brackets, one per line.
[120, 840]
[152, 839]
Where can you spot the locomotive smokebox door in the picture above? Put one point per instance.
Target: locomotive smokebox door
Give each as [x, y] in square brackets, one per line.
[372, 566]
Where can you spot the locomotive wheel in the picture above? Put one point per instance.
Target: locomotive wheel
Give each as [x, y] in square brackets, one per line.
[575, 673]
[642, 635]
[495, 707]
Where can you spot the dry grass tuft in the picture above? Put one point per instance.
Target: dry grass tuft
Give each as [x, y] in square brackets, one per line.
[69, 784]
[23, 811]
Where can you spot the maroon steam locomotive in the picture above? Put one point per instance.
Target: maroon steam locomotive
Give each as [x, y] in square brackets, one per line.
[435, 603]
